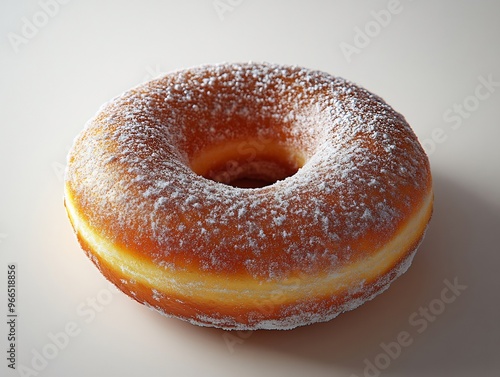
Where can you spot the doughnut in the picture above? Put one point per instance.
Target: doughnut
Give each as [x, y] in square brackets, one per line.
[249, 195]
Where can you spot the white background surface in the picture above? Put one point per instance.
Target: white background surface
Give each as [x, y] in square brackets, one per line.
[428, 57]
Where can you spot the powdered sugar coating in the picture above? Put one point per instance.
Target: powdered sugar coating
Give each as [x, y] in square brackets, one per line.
[364, 176]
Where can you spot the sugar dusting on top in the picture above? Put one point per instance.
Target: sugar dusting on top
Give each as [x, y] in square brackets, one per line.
[130, 171]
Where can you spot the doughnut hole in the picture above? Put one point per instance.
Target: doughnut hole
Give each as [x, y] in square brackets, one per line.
[250, 163]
